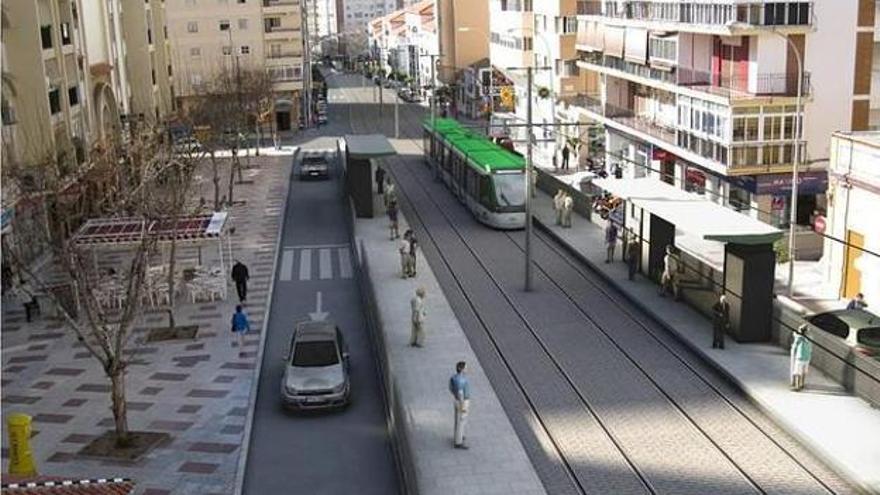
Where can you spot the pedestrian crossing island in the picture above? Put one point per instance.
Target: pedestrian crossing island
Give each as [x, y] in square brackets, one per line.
[315, 262]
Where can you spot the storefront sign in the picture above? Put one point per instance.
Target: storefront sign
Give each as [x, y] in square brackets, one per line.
[776, 184]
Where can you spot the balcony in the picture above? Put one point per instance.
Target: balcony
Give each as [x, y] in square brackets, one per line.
[281, 55]
[279, 6]
[766, 84]
[782, 13]
[648, 125]
[587, 101]
[282, 32]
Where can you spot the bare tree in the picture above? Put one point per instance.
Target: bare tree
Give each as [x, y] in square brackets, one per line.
[137, 188]
[231, 103]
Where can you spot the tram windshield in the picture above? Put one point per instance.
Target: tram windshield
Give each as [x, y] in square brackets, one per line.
[510, 190]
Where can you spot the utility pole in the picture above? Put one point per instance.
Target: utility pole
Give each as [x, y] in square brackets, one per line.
[529, 172]
[396, 106]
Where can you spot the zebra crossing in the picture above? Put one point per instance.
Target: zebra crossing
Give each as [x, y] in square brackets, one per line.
[315, 262]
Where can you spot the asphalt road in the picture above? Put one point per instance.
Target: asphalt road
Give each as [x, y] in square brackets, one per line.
[341, 452]
[602, 397]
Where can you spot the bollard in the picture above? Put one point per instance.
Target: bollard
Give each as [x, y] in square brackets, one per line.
[21, 458]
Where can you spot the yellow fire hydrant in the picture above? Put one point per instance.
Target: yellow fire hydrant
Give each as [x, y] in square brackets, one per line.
[21, 458]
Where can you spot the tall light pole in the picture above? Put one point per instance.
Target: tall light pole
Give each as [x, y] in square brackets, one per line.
[792, 217]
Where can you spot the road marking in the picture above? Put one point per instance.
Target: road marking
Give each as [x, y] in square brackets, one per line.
[325, 269]
[344, 263]
[286, 265]
[305, 264]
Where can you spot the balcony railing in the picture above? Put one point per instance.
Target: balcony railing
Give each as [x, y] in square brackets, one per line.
[782, 13]
[284, 55]
[279, 3]
[767, 84]
[281, 29]
[646, 124]
[588, 101]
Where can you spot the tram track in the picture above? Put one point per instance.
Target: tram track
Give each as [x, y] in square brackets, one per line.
[412, 183]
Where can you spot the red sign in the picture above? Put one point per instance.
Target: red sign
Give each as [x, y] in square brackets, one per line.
[819, 224]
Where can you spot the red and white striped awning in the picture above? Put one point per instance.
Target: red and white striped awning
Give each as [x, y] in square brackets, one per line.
[123, 231]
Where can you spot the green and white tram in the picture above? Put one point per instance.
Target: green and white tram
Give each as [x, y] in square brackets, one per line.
[487, 178]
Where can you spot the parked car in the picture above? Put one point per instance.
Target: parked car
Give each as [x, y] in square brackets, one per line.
[314, 165]
[408, 95]
[187, 145]
[322, 118]
[860, 329]
[316, 371]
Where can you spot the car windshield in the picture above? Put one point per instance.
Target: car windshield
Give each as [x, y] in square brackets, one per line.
[870, 336]
[313, 160]
[510, 189]
[315, 354]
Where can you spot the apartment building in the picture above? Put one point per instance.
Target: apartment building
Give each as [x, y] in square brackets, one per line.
[704, 94]
[320, 18]
[208, 36]
[853, 266]
[403, 39]
[353, 18]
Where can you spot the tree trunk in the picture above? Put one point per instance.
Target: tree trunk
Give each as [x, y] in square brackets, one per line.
[232, 175]
[215, 168]
[172, 262]
[120, 413]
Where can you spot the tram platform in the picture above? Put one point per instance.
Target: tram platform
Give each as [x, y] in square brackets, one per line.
[416, 379]
[836, 425]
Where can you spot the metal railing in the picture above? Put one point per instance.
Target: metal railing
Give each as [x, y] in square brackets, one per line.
[279, 3]
[783, 13]
[284, 55]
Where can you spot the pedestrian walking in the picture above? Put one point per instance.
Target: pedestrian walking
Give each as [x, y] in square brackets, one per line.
[380, 179]
[392, 217]
[669, 278]
[720, 321]
[632, 256]
[413, 248]
[618, 171]
[610, 241]
[403, 250]
[567, 207]
[389, 193]
[557, 205]
[801, 353]
[240, 326]
[419, 313]
[461, 396]
[857, 302]
[565, 155]
[241, 276]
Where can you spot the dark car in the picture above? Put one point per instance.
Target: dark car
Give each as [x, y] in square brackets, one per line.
[315, 165]
[858, 328]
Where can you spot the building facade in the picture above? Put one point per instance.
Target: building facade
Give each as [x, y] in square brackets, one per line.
[704, 94]
[247, 34]
[320, 17]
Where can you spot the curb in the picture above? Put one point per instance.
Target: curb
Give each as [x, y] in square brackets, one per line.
[810, 445]
[249, 422]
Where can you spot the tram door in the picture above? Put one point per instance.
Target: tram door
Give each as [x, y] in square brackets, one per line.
[662, 234]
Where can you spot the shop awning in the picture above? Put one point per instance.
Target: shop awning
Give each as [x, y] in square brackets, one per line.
[690, 213]
[124, 231]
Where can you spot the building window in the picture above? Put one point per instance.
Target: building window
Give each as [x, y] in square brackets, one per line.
[244, 50]
[195, 51]
[242, 24]
[65, 34]
[227, 50]
[149, 36]
[192, 27]
[169, 71]
[73, 95]
[242, 1]
[153, 76]
[224, 25]
[195, 79]
[46, 36]
[54, 101]
[663, 49]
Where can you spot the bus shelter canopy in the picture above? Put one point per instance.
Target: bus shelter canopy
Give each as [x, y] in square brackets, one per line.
[366, 146]
[690, 213]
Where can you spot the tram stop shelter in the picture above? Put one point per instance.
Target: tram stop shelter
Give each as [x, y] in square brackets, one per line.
[738, 246]
[360, 154]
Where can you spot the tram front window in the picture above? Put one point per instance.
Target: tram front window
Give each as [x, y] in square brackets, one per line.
[510, 191]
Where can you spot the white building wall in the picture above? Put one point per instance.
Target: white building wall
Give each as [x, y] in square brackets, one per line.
[830, 106]
[770, 58]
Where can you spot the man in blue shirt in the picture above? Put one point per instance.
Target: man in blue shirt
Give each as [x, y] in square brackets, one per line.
[460, 389]
[240, 326]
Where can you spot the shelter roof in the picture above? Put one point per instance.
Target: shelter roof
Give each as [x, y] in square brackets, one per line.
[365, 146]
[691, 213]
[120, 231]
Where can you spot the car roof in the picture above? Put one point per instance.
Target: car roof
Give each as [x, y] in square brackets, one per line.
[312, 331]
[856, 318]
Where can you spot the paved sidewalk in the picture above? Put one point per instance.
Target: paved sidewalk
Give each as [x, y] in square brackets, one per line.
[840, 428]
[197, 391]
[496, 462]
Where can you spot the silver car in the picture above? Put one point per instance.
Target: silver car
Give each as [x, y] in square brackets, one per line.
[316, 371]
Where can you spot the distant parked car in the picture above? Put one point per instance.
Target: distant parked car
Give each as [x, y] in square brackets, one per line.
[860, 329]
[316, 372]
[187, 145]
[314, 165]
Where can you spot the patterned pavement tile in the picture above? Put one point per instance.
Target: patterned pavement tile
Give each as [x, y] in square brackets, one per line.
[207, 394]
[198, 467]
[52, 418]
[189, 409]
[14, 369]
[46, 336]
[66, 371]
[168, 425]
[61, 457]
[224, 379]
[169, 377]
[232, 429]
[20, 399]
[150, 391]
[74, 402]
[78, 438]
[212, 447]
[43, 385]
[28, 359]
